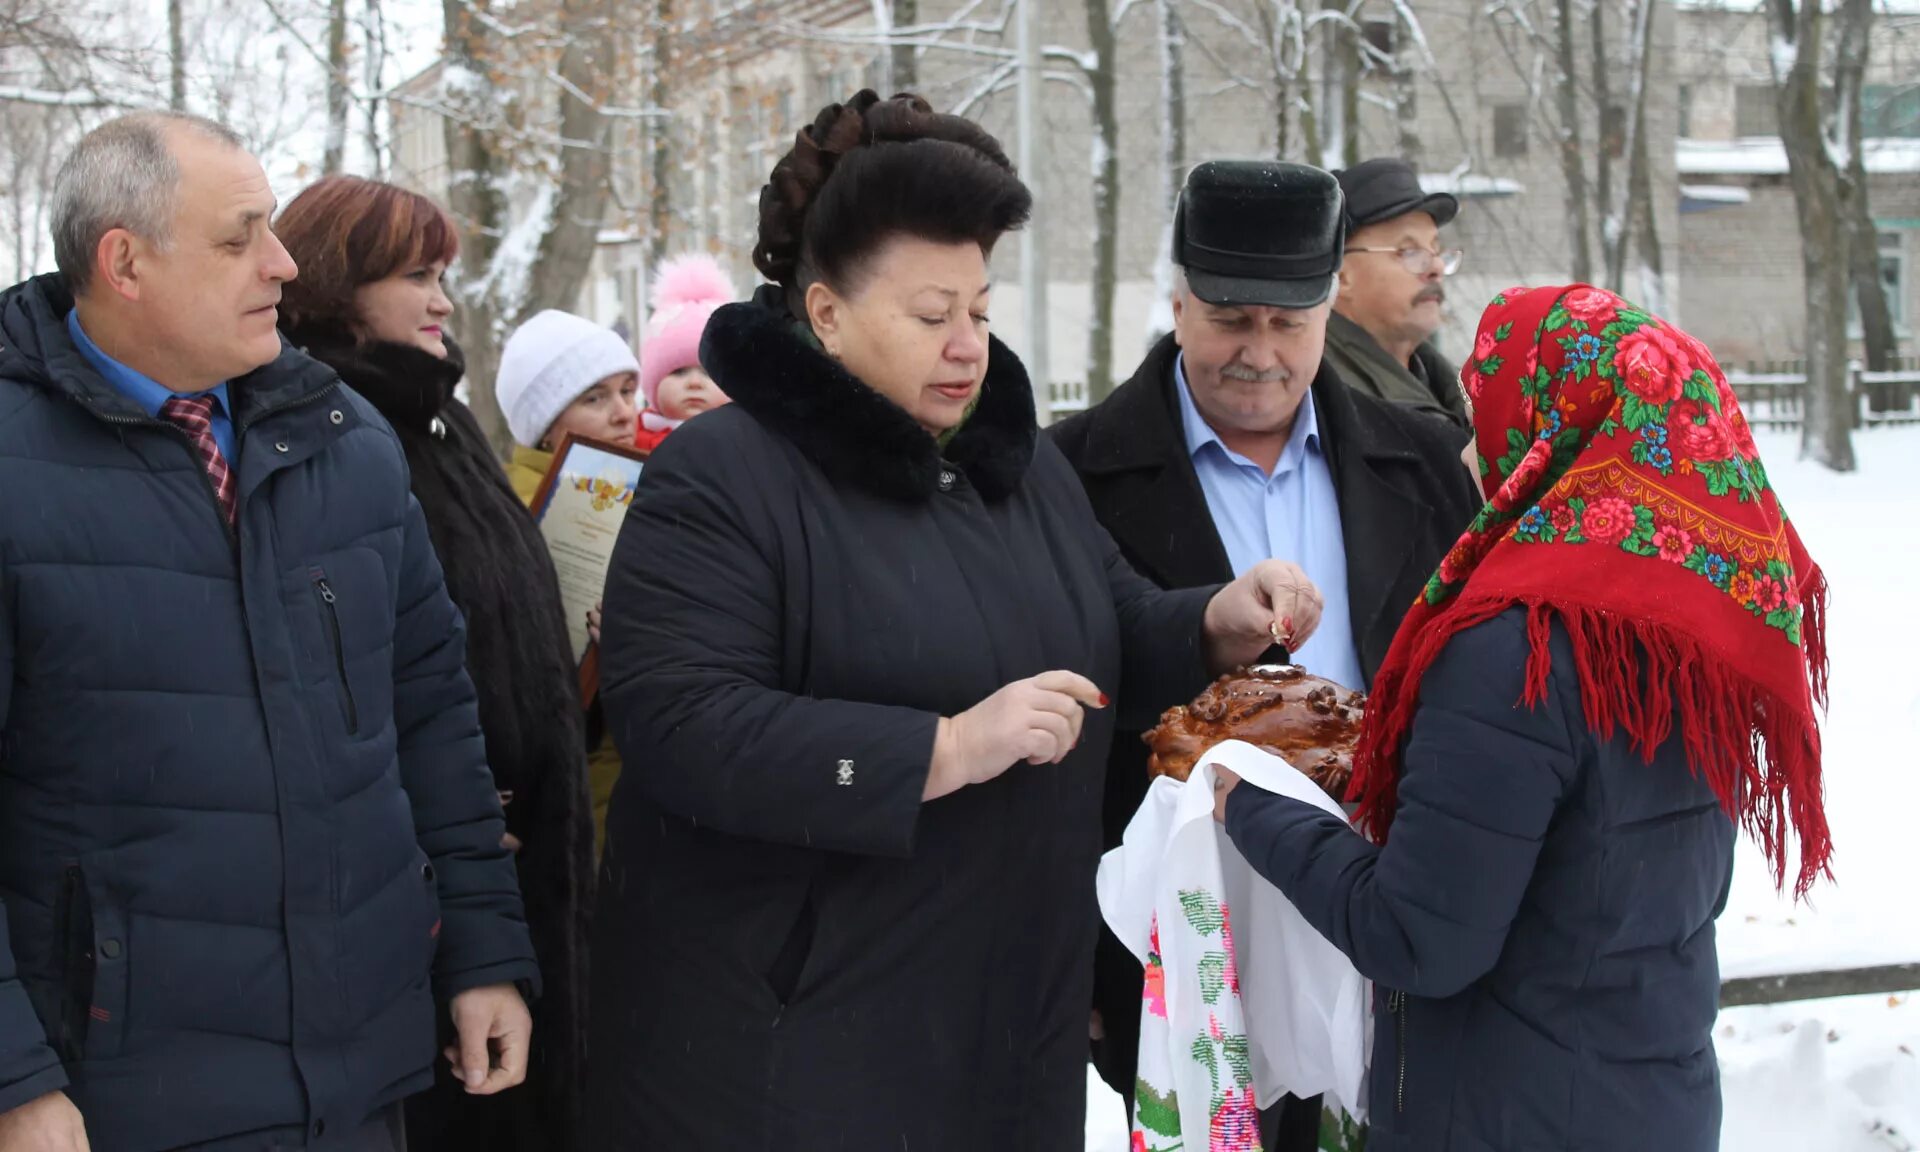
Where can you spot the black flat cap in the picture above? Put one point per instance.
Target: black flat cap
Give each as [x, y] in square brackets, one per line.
[1387, 189]
[1260, 232]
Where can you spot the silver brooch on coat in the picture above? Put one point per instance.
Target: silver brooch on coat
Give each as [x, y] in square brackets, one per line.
[844, 776]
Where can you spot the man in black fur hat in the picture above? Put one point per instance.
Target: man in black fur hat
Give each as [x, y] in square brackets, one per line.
[1235, 442]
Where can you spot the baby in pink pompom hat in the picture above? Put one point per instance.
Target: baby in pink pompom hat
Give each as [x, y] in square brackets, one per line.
[686, 290]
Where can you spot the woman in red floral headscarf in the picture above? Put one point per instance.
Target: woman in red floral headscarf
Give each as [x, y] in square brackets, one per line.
[1617, 664]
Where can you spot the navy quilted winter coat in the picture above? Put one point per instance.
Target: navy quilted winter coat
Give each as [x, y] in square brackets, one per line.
[1539, 927]
[247, 831]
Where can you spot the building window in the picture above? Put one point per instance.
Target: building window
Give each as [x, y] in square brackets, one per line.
[1379, 35]
[1613, 130]
[1755, 111]
[1890, 110]
[1893, 280]
[1509, 130]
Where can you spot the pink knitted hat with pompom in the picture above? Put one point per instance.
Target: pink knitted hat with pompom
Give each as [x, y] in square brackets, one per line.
[686, 290]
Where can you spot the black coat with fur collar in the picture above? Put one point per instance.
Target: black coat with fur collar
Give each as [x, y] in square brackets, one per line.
[1404, 499]
[793, 951]
[500, 576]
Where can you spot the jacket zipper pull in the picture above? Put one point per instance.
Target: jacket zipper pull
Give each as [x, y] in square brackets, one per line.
[332, 601]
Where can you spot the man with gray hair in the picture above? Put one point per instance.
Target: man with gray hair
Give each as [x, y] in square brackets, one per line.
[250, 852]
[1236, 442]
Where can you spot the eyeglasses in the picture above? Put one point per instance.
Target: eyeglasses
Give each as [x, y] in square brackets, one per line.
[1418, 260]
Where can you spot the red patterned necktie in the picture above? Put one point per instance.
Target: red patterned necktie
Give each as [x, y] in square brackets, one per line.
[194, 414]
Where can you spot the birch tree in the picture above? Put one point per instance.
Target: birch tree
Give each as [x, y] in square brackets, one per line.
[1171, 40]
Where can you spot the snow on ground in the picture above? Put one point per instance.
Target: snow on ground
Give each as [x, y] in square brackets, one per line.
[1842, 1075]
[1833, 1075]
[1861, 528]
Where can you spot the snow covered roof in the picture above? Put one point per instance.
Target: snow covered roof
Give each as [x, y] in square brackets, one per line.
[1886, 7]
[1716, 193]
[1470, 184]
[1767, 156]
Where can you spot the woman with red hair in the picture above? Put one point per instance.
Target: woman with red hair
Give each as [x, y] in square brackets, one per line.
[1617, 665]
[369, 304]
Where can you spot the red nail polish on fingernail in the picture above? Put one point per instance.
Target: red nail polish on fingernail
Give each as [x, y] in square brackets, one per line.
[1103, 700]
[1286, 624]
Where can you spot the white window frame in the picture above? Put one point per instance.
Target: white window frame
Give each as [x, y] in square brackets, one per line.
[1894, 242]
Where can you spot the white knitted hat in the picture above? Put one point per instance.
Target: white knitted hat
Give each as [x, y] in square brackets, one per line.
[547, 363]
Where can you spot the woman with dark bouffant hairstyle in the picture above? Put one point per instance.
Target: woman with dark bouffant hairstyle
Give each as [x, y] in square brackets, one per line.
[369, 304]
[861, 631]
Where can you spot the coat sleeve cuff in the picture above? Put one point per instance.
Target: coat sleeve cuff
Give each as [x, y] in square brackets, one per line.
[522, 974]
[53, 1078]
[1163, 644]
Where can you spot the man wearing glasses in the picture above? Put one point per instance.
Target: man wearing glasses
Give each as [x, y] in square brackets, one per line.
[1392, 289]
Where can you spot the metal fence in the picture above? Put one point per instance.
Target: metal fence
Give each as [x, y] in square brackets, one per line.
[1773, 393]
[1067, 397]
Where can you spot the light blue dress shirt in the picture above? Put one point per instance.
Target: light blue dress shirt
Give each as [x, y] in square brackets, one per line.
[149, 394]
[1293, 515]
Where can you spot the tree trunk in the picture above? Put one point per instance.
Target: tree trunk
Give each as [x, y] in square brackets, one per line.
[338, 93]
[1643, 221]
[1827, 418]
[906, 69]
[1406, 88]
[1173, 90]
[1173, 161]
[660, 130]
[1645, 224]
[1106, 201]
[580, 203]
[1572, 155]
[1312, 144]
[176, 56]
[1332, 124]
[1638, 208]
[1869, 292]
[1282, 105]
[1349, 56]
[17, 187]
[1613, 242]
[478, 202]
[376, 69]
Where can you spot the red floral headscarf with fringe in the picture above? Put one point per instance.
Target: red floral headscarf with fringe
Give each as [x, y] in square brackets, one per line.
[1627, 500]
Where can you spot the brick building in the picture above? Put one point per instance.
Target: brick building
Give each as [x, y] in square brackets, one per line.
[1476, 115]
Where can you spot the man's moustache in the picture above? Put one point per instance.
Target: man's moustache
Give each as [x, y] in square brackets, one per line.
[1249, 376]
[1436, 294]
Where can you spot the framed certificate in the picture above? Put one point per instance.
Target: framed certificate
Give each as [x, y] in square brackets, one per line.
[579, 507]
